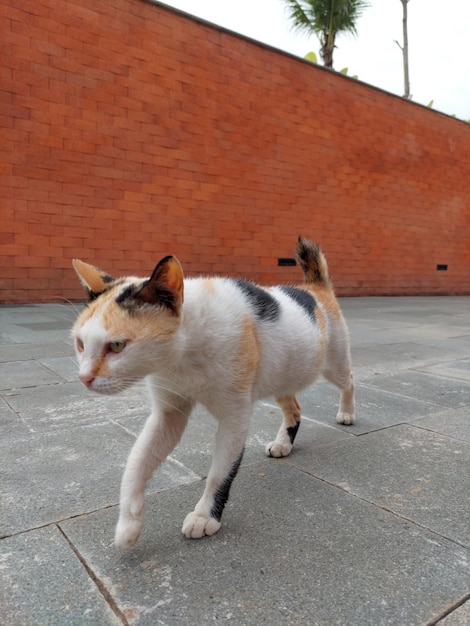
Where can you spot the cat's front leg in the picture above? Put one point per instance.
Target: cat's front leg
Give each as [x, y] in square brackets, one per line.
[284, 441]
[161, 433]
[228, 453]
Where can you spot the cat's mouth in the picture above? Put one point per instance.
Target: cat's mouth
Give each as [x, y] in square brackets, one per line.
[107, 386]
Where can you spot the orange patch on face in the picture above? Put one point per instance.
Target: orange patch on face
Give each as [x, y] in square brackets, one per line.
[101, 368]
[116, 322]
[92, 308]
[146, 322]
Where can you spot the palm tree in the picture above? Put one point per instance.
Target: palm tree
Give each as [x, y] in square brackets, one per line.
[326, 19]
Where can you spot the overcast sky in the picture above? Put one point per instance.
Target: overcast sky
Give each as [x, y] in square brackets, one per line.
[438, 34]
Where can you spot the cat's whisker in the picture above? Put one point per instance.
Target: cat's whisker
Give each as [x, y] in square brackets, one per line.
[76, 307]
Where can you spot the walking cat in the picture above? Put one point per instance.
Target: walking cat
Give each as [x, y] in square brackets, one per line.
[221, 342]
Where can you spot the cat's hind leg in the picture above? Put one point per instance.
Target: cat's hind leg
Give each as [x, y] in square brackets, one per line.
[282, 445]
[339, 373]
[346, 408]
[228, 452]
[337, 369]
[161, 433]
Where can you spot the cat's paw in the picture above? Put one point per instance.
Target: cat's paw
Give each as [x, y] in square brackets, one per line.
[277, 449]
[127, 533]
[345, 418]
[196, 526]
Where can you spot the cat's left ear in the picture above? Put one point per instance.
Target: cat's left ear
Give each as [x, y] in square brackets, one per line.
[165, 286]
[93, 279]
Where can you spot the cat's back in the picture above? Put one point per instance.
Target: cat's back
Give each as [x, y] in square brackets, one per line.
[223, 300]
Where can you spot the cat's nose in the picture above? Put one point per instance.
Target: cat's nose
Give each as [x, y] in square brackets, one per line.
[87, 379]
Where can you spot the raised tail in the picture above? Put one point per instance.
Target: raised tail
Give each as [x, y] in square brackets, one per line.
[313, 263]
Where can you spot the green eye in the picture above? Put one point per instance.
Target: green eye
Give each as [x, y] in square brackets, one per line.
[116, 346]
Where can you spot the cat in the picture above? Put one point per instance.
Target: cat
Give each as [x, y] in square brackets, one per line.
[222, 342]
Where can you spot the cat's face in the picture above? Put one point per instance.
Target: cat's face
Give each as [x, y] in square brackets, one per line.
[128, 326]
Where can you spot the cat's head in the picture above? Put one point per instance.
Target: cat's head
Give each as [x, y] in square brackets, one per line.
[128, 325]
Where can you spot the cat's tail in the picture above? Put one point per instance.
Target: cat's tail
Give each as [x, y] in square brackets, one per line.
[313, 263]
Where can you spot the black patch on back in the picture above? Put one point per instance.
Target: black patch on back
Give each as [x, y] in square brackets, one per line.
[221, 495]
[303, 299]
[292, 431]
[266, 307]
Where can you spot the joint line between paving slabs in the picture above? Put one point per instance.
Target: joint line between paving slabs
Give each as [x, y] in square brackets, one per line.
[449, 611]
[376, 505]
[99, 584]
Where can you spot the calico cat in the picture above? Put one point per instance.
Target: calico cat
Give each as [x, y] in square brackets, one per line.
[221, 342]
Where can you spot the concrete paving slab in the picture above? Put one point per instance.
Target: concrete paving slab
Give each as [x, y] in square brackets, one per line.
[263, 429]
[305, 540]
[70, 404]
[384, 358]
[459, 617]
[19, 374]
[418, 474]
[448, 339]
[426, 387]
[293, 550]
[460, 344]
[459, 369]
[11, 426]
[66, 367]
[375, 408]
[195, 448]
[43, 582]
[37, 323]
[31, 351]
[63, 473]
[452, 422]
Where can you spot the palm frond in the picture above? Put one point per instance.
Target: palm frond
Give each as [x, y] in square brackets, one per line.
[320, 16]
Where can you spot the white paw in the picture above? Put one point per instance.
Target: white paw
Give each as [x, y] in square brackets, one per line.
[127, 532]
[345, 418]
[196, 526]
[276, 449]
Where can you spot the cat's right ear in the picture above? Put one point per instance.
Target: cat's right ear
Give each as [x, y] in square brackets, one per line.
[93, 279]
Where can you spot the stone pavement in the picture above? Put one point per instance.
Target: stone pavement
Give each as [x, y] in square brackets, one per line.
[362, 525]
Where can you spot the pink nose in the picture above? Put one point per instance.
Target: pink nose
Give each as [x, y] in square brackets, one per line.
[87, 379]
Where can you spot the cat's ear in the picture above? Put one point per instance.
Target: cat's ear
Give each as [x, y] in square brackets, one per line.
[165, 286]
[93, 279]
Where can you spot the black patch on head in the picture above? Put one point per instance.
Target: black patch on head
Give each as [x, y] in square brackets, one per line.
[130, 297]
[108, 280]
[292, 431]
[266, 307]
[127, 295]
[303, 299]
[221, 495]
[92, 295]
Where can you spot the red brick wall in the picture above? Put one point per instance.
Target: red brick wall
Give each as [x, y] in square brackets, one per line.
[129, 131]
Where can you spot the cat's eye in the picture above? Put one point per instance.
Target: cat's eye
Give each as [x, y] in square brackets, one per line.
[79, 344]
[116, 346]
